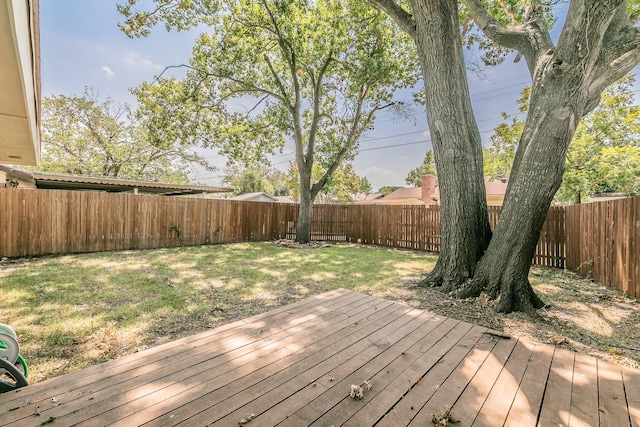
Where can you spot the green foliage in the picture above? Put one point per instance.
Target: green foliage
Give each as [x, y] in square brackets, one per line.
[604, 155]
[386, 190]
[341, 186]
[314, 72]
[428, 167]
[179, 14]
[256, 177]
[86, 136]
[364, 186]
[498, 158]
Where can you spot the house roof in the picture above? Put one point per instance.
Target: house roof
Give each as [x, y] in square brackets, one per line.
[113, 185]
[413, 195]
[493, 187]
[285, 199]
[252, 196]
[360, 196]
[405, 193]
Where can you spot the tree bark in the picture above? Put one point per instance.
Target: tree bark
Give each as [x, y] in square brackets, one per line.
[303, 229]
[456, 144]
[593, 51]
[558, 101]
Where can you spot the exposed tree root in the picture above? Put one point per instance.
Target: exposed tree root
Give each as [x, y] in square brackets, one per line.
[513, 295]
[432, 280]
[447, 283]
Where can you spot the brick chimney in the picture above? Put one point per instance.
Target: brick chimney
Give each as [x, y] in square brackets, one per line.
[428, 189]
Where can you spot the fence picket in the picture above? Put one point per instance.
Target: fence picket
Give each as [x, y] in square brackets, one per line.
[601, 240]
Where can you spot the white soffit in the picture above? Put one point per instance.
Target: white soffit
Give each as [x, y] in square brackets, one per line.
[19, 82]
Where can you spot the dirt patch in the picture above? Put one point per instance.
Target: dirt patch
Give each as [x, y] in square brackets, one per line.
[295, 245]
[580, 315]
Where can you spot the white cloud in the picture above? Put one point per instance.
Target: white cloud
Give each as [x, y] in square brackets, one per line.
[377, 171]
[107, 71]
[135, 60]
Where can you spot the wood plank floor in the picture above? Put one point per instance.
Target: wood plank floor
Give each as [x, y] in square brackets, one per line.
[294, 366]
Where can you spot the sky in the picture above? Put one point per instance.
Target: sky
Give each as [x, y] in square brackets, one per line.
[81, 45]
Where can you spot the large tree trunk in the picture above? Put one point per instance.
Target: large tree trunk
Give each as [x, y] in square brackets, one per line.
[456, 144]
[557, 104]
[303, 229]
[592, 52]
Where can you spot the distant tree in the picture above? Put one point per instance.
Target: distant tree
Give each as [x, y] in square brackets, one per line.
[386, 190]
[85, 136]
[603, 155]
[255, 177]
[250, 179]
[428, 167]
[343, 185]
[365, 186]
[315, 72]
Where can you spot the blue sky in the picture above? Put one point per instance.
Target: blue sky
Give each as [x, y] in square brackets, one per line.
[82, 46]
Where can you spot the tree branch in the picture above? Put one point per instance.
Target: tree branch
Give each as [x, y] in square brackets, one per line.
[289, 56]
[248, 87]
[621, 50]
[317, 89]
[274, 74]
[530, 38]
[400, 16]
[617, 69]
[357, 127]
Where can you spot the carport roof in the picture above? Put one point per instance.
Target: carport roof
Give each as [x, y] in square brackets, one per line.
[76, 182]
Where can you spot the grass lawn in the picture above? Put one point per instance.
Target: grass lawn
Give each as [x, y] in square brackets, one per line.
[77, 310]
[74, 311]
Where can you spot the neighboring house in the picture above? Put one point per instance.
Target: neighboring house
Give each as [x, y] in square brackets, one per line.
[19, 82]
[402, 196]
[496, 190]
[366, 199]
[285, 199]
[603, 197]
[429, 194]
[18, 178]
[255, 197]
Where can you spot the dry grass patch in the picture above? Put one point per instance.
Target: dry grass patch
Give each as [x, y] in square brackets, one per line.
[74, 311]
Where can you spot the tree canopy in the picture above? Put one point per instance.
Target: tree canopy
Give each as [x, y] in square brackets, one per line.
[256, 177]
[341, 187]
[603, 156]
[85, 136]
[271, 71]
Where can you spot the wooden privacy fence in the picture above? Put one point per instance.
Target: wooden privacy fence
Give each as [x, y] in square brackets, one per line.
[603, 242]
[602, 239]
[37, 222]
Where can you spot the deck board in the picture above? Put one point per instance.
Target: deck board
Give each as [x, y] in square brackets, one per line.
[556, 403]
[293, 367]
[496, 407]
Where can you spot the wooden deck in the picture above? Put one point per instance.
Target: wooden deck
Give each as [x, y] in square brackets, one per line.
[294, 366]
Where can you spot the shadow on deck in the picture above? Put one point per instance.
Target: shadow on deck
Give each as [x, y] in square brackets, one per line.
[294, 366]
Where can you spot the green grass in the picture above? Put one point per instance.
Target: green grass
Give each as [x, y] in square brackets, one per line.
[74, 311]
